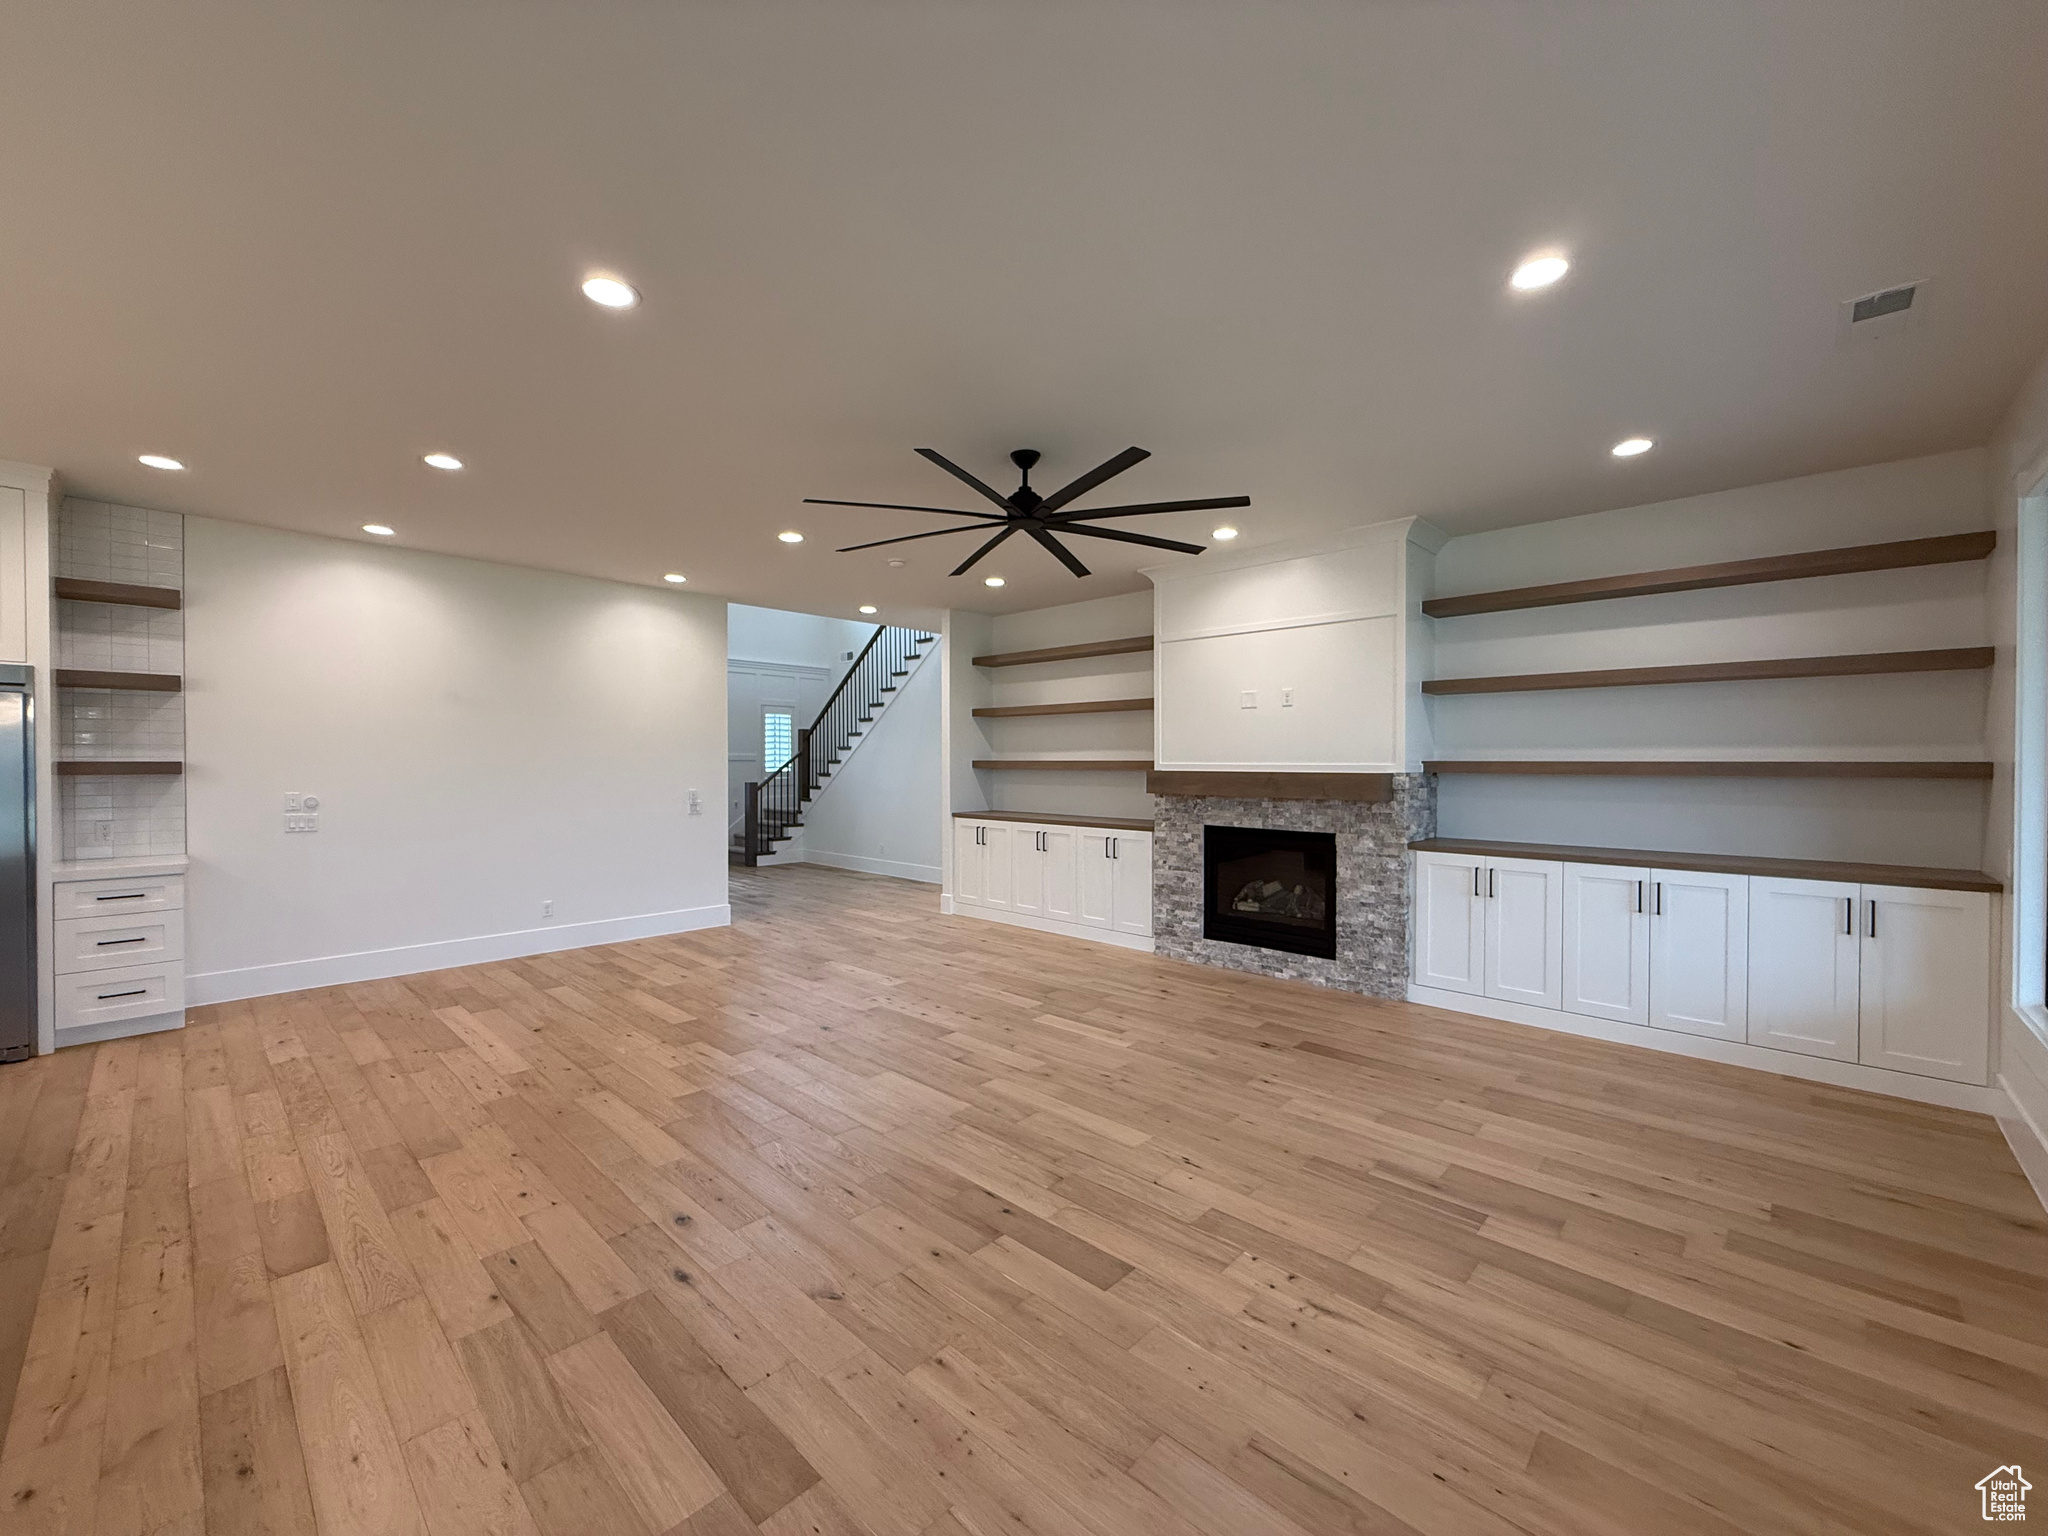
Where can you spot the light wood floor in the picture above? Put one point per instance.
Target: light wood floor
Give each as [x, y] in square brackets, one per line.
[855, 1219]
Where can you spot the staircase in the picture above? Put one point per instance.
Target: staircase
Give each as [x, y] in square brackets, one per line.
[775, 805]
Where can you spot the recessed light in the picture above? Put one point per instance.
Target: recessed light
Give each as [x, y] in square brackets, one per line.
[610, 292]
[790, 536]
[991, 581]
[442, 461]
[1226, 533]
[895, 565]
[868, 608]
[157, 461]
[380, 530]
[1539, 272]
[1629, 447]
[675, 578]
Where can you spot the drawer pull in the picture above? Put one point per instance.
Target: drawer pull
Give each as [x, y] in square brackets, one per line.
[106, 997]
[110, 943]
[124, 896]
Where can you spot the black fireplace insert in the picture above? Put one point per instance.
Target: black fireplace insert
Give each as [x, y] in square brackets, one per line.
[1270, 889]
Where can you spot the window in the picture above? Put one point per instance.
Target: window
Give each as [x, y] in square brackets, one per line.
[778, 738]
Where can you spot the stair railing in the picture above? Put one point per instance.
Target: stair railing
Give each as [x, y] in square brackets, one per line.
[774, 805]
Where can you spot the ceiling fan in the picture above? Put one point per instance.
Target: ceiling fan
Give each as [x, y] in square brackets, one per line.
[1025, 511]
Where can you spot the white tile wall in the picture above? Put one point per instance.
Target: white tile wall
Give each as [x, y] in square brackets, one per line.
[120, 817]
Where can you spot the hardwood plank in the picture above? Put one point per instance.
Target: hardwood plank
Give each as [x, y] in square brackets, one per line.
[539, 1296]
[1129, 646]
[354, 1469]
[423, 1386]
[1083, 707]
[1723, 863]
[450, 1270]
[254, 1469]
[116, 768]
[150, 1474]
[532, 1426]
[578, 1496]
[598, 1276]
[137, 682]
[661, 1472]
[1902, 554]
[749, 1455]
[1967, 658]
[292, 1233]
[463, 1486]
[360, 1234]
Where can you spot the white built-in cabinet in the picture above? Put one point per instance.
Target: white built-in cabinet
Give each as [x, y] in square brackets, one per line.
[1088, 880]
[1896, 977]
[1490, 928]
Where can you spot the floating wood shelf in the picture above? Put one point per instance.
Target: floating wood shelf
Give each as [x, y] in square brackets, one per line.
[1964, 659]
[1727, 768]
[139, 682]
[1721, 863]
[1943, 550]
[1047, 819]
[1090, 707]
[71, 589]
[1359, 788]
[1126, 647]
[115, 767]
[1068, 764]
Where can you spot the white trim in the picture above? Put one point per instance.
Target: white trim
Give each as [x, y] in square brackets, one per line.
[1210, 767]
[1046, 925]
[2026, 1137]
[2027, 911]
[445, 954]
[1842, 1074]
[895, 869]
[780, 668]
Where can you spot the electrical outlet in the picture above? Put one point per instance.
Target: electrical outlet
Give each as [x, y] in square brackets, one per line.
[101, 833]
[547, 909]
[1287, 698]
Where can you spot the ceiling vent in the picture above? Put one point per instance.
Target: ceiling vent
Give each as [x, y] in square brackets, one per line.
[1887, 312]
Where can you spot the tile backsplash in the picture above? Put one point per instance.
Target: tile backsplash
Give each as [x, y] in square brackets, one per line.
[120, 817]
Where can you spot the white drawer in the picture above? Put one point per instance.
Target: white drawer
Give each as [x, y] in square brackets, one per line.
[103, 943]
[133, 992]
[98, 898]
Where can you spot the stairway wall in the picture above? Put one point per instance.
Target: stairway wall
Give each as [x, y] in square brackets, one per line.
[881, 809]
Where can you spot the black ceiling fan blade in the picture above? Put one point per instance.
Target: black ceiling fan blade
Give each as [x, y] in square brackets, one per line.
[906, 538]
[968, 564]
[1059, 551]
[1107, 469]
[958, 473]
[1137, 538]
[900, 506]
[1140, 509]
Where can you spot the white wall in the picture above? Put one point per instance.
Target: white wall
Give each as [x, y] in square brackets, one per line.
[782, 660]
[799, 639]
[1909, 715]
[2016, 841]
[482, 738]
[881, 809]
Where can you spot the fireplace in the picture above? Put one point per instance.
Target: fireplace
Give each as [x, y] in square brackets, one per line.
[1270, 889]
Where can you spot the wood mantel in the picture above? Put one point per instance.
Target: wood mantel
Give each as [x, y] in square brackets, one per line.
[1371, 788]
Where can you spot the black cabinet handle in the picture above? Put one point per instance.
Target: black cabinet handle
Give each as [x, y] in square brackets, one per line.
[124, 896]
[107, 997]
[111, 943]
[1873, 917]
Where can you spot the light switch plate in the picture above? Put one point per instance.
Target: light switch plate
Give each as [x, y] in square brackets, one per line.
[301, 821]
[1249, 699]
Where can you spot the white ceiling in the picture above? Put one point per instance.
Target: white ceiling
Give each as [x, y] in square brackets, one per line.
[299, 244]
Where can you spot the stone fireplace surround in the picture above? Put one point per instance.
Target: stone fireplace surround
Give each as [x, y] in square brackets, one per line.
[1374, 903]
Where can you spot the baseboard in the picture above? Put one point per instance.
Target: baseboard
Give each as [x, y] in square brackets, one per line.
[119, 1029]
[2023, 1115]
[1840, 1074]
[896, 869]
[408, 960]
[1136, 941]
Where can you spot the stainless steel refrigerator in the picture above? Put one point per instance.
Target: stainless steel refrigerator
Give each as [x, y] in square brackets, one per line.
[17, 863]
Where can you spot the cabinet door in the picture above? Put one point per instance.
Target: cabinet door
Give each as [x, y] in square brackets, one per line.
[1027, 871]
[1525, 931]
[1450, 922]
[996, 844]
[1130, 877]
[1699, 953]
[970, 865]
[1607, 942]
[1926, 970]
[1803, 966]
[1060, 873]
[1098, 893]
